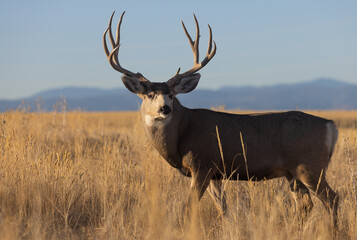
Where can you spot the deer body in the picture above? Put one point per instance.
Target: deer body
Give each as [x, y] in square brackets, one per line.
[189, 141]
[209, 146]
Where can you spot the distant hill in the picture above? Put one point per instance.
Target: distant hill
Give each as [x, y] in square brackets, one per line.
[321, 94]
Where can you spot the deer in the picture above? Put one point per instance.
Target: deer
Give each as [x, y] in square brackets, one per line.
[210, 146]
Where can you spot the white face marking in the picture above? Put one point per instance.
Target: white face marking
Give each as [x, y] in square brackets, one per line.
[152, 108]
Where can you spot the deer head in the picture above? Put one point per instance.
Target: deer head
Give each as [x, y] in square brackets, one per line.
[158, 97]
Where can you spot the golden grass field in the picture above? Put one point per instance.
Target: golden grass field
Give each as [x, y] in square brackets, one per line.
[77, 175]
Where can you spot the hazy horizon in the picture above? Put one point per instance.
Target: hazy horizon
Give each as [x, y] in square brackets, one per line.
[201, 88]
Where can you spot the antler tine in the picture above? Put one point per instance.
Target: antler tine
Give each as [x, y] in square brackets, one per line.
[188, 35]
[210, 52]
[117, 41]
[195, 49]
[110, 30]
[197, 40]
[113, 55]
[210, 40]
[105, 43]
[111, 38]
[194, 44]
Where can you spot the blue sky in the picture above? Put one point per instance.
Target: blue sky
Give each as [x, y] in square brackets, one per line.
[50, 44]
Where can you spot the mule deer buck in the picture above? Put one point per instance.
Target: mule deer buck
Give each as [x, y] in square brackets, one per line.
[207, 145]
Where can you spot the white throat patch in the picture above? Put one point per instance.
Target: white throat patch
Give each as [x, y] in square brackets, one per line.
[151, 121]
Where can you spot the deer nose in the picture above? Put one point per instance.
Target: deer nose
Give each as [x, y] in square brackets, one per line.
[165, 109]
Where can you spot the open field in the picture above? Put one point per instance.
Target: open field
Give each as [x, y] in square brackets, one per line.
[74, 175]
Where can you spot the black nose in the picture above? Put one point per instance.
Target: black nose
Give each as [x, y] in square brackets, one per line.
[165, 109]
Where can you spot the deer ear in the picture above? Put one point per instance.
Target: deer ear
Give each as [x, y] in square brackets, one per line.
[187, 84]
[134, 85]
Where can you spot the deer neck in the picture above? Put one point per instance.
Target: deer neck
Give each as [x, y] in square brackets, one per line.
[164, 135]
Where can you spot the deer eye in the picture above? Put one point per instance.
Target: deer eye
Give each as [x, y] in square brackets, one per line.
[151, 95]
[171, 96]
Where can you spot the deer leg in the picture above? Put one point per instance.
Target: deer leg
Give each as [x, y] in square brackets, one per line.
[199, 183]
[301, 196]
[324, 192]
[216, 192]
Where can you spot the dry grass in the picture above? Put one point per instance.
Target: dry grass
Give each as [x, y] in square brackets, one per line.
[94, 176]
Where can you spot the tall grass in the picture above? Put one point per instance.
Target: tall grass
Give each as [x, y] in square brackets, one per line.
[94, 176]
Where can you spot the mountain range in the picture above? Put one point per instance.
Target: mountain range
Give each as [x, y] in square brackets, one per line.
[320, 94]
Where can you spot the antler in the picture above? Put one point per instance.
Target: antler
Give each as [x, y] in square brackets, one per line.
[113, 55]
[194, 45]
